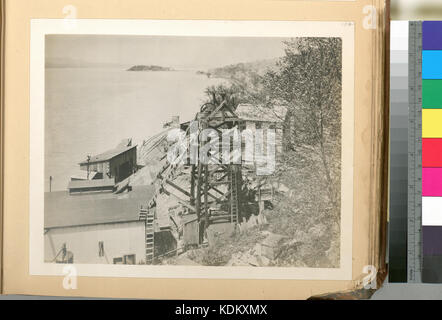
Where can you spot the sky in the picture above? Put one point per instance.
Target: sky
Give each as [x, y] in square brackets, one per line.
[167, 51]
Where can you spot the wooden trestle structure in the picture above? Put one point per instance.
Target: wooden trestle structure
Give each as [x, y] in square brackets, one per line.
[215, 187]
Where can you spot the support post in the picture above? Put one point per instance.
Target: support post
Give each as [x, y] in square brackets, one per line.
[192, 185]
[206, 191]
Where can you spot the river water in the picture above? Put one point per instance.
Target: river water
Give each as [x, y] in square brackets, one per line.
[90, 110]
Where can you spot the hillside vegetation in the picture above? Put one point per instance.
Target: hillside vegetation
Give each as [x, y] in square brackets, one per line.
[308, 80]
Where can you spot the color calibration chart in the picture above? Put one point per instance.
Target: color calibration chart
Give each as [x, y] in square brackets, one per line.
[415, 220]
[432, 151]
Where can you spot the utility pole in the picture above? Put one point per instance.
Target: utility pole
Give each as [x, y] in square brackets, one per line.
[50, 183]
[88, 160]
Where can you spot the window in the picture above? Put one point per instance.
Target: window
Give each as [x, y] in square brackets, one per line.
[126, 259]
[129, 259]
[101, 248]
[118, 260]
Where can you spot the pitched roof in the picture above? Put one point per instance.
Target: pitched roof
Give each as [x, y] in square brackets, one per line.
[252, 112]
[105, 156]
[64, 210]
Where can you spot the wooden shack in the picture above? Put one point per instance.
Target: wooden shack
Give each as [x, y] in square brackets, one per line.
[259, 117]
[118, 163]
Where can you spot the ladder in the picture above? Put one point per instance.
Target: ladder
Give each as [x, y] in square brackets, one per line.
[234, 203]
[149, 218]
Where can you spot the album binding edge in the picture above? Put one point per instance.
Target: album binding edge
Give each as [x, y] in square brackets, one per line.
[2, 136]
[379, 198]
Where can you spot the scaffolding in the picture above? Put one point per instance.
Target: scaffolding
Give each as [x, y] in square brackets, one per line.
[215, 186]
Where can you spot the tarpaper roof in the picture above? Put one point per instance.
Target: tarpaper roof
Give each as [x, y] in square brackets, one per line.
[64, 210]
[105, 156]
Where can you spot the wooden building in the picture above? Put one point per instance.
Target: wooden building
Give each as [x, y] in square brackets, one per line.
[255, 117]
[118, 163]
[95, 228]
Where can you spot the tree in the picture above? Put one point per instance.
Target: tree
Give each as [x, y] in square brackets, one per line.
[243, 86]
[230, 93]
[309, 81]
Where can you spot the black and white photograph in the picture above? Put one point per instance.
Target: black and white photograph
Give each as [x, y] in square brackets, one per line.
[193, 151]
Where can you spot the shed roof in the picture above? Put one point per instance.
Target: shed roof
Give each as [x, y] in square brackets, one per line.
[108, 155]
[98, 183]
[64, 210]
[252, 112]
